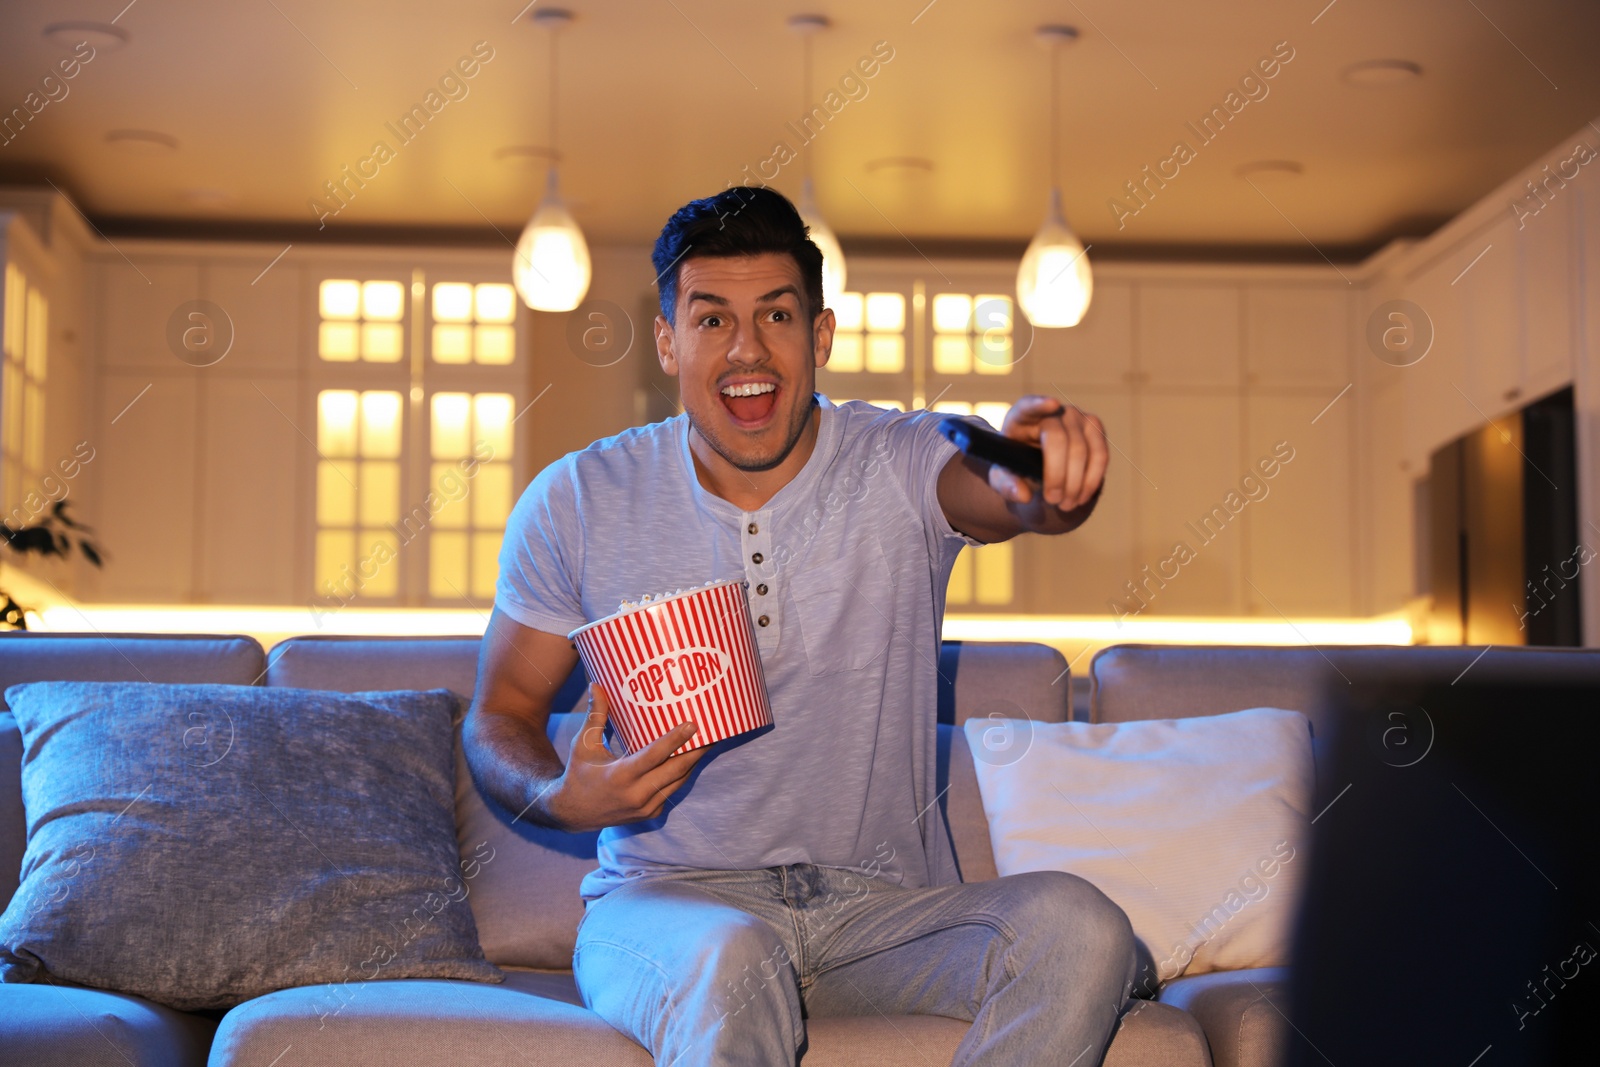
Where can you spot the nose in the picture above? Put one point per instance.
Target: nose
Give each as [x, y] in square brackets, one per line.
[747, 348]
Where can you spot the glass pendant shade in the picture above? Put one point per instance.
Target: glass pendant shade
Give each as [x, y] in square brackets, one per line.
[1054, 284]
[832, 255]
[551, 265]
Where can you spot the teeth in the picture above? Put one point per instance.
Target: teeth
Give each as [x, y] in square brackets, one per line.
[749, 389]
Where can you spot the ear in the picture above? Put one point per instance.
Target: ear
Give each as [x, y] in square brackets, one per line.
[822, 337]
[664, 353]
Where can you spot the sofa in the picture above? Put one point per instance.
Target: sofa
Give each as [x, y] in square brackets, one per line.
[526, 903]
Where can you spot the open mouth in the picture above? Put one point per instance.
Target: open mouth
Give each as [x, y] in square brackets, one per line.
[750, 403]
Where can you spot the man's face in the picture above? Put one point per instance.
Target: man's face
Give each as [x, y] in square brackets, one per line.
[744, 354]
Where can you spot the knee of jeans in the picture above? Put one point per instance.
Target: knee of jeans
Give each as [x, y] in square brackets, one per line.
[1074, 907]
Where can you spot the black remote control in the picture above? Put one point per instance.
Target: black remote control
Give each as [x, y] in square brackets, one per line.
[1018, 457]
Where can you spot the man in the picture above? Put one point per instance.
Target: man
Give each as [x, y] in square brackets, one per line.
[806, 869]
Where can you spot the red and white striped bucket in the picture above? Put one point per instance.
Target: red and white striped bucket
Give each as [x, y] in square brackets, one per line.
[688, 656]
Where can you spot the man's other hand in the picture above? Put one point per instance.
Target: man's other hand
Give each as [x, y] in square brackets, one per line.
[598, 789]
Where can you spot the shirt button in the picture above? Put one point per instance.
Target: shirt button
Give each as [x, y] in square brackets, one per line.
[762, 621]
[753, 528]
[757, 558]
[761, 590]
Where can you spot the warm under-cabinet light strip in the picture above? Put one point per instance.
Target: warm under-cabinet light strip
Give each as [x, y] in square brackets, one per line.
[276, 621]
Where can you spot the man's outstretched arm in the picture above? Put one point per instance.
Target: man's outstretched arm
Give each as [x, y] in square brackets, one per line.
[992, 504]
[509, 751]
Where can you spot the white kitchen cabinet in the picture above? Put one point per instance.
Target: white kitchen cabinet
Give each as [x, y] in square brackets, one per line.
[1078, 573]
[250, 500]
[1299, 536]
[1549, 281]
[138, 300]
[142, 503]
[1096, 352]
[1188, 334]
[1189, 449]
[264, 310]
[1297, 336]
[1491, 306]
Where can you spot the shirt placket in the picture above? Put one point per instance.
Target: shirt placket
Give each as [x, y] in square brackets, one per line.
[761, 571]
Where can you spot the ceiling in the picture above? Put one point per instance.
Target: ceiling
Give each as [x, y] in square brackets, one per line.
[664, 100]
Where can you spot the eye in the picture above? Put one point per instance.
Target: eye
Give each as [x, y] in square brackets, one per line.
[711, 320]
[780, 315]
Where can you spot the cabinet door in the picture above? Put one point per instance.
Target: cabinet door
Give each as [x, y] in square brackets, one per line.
[1188, 334]
[1491, 303]
[1297, 523]
[1548, 281]
[1082, 572]
[1188, 447]
[1437, 389]
[264, 310]
[1096, 352]
[250, 456]
[143, 502]
[1389, 542]
[1297, 336]
[138, 305]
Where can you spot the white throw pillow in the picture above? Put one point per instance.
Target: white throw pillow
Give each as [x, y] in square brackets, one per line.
[1196, 827]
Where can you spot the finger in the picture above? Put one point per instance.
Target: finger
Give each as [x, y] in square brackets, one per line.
[1077, 458]
[674, 771]
[1053, 442]
[1099, 459]
[591, 740]
[658, 751]
[1029, 411]
[1009, 486]
[659, 798]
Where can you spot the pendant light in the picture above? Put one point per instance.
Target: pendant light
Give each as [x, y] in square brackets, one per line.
[551, 266]
[1054, 284]
[808, 26]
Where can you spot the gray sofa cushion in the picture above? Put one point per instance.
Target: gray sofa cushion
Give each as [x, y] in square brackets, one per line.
[34, 657]
[524, 889]
[199, 845]
[1178, 681]
[1244, 1013]
[536, 1019]
[1015, 680]
[526, 898]
[65, 1026]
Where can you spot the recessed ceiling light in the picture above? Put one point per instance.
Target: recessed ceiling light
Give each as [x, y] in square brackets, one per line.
[142, 142]
[1269, 170]
[903, 164]
[518, 155]
[1051, 35]
[103, 36]
[1380, 73]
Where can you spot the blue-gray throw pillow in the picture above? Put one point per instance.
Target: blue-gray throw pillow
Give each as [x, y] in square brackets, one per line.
[200, 845]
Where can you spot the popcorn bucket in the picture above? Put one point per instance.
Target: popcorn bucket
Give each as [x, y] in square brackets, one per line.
[690, 655]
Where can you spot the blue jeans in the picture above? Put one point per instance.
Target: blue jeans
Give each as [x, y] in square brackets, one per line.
[723, 967]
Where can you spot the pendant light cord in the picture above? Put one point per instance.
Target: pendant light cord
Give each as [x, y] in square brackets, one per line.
[1055, 115]
[554, 84]
[805, 99]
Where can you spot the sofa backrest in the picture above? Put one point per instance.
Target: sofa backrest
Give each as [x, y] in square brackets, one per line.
[32, 657]
[1131, 682]
[525, 899]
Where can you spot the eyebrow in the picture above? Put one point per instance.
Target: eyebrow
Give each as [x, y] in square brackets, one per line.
[764, 298]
